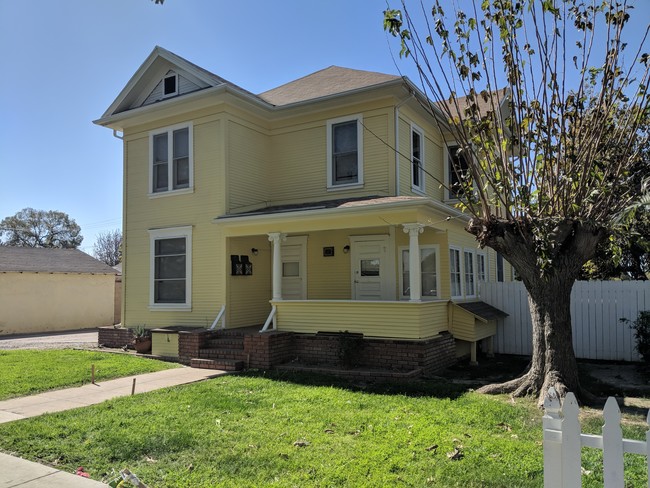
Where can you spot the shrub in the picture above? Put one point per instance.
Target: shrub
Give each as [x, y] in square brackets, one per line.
[641, 327]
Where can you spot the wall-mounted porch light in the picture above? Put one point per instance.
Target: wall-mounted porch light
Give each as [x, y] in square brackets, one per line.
[346, 249]
[255, 251]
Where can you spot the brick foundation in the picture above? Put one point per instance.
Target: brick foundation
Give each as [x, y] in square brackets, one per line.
[112, 337]
[427, 357]
[190, 342]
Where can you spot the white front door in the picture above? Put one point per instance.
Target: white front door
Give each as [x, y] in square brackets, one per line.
[294, 268]
[371, 277]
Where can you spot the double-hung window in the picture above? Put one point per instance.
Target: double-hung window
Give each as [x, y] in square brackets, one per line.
[171, 268]
[344, 152]
[171, 160]
[455, 272]
[428, 270]
[457, 171]
[470, 280]
[500, 274]
[417, 160]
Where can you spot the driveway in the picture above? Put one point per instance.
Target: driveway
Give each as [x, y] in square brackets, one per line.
[79, 339]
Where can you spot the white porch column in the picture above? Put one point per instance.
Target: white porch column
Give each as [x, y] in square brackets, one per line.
[276, 238]
[415, 269]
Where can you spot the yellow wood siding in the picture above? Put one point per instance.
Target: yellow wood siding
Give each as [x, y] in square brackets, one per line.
[164, 344]
[404, 320]
[249, 296]
[196, 209]
[247, 167]
[466, 327]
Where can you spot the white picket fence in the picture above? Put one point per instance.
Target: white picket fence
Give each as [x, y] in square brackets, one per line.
[596, 310]
[563, 441]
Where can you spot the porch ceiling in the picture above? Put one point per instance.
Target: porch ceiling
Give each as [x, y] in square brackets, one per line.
[339, 214]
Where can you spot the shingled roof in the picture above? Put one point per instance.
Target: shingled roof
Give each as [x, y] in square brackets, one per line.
[329, 81]
[49, 260]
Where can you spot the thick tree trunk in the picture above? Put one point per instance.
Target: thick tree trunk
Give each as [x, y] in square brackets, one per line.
[553, 361]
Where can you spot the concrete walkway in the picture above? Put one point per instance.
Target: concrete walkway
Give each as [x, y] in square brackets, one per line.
[16, 472]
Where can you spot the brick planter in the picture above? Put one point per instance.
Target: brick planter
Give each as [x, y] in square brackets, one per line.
[112, 337]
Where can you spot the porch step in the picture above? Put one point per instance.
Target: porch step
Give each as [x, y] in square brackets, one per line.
[222, 364]
[221, 353]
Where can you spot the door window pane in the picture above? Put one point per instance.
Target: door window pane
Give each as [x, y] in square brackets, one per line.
[370, 267]
[291, 269]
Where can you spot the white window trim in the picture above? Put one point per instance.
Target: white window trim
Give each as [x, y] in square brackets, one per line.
[436, 248]
[171, 233]
[461, 270]
[472, 252]
[170, 160]
[331, 186]
[174, 75]
[420, 132]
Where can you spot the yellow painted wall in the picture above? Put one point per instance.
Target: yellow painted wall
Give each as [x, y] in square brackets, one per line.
[196, 209]
[403, 320]
[466, 327]
[39, 302]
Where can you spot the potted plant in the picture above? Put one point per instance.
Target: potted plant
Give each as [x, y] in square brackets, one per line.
[141, 339]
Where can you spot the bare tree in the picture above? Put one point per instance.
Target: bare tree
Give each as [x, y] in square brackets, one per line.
[108, 247]
[40, 228]
[545, 163]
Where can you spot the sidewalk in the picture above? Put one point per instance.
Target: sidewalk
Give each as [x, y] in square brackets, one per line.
[16, 472]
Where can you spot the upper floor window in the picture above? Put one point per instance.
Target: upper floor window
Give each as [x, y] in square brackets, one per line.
[457, 171]
[171, 267]
[417, 160]
[500, 275]
[344, 152]
[171, 159]
[428, 270]
[170, 85]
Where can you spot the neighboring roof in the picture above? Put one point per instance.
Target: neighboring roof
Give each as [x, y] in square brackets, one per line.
[339, 203]
[118, 268]
[328, 81]
[482, 310]
[484, 105]
[50, 260]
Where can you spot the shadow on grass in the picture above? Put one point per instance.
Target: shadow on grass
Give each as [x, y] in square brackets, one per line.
[437, 388]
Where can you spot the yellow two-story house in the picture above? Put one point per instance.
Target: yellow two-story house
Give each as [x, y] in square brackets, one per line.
[317, 207]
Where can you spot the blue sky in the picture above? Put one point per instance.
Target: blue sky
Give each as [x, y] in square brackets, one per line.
[65, 61]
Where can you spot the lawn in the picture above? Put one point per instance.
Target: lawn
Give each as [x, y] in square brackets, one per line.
[25, 372]
[291, 430]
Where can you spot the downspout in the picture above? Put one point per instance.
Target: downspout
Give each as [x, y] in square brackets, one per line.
[397, 182]
[121, 138]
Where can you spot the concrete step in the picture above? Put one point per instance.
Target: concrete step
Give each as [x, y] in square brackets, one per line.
[221, 353]
[222, 364]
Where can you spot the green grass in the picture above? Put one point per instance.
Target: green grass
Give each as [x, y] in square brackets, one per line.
[25, 372]
[240, 431]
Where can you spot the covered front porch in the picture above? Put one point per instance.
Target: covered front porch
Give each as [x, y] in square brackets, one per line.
[369, 266]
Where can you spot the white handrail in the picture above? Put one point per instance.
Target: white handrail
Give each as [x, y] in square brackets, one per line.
[270, 319]
[221, 316]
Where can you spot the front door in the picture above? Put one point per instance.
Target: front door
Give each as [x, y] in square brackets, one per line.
[370, 268]
[294, 268]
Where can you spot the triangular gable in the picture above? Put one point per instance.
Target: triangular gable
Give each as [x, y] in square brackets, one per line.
[145, 86]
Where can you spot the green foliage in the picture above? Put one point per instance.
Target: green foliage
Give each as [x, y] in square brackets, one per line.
[641, 327]
[236, 431]
[26, 372]
[40, 228]
[140, 331]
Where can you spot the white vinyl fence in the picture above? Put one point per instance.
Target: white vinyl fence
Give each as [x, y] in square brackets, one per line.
[596, 310]
[563, 441]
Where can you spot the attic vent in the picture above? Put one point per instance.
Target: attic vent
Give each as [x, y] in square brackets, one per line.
[170, 85]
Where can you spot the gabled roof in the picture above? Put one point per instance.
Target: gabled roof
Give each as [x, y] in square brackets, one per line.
[50, 260]
[152, 70]
[328, 81]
